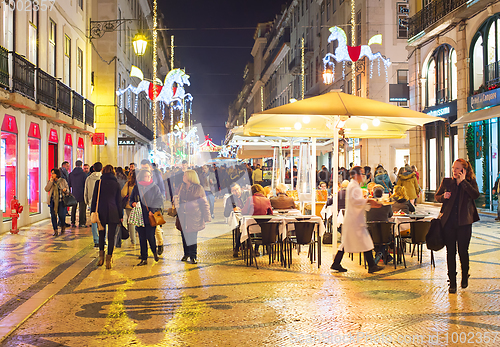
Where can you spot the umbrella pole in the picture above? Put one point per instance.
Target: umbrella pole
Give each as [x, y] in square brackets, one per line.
[335, 176]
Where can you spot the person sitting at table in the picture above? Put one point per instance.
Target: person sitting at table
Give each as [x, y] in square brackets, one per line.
[402, 203]
[257, 205]
[235, 203]
[282, 201]
[381, 214]
[340, 196]
[268, 191]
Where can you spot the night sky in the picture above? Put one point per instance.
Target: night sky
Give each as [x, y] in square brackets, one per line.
[214, 57]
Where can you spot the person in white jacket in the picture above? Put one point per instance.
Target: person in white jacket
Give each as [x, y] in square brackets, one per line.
[355, 235]
[87, 195]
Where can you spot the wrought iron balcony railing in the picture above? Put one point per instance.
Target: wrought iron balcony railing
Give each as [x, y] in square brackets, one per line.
[23, 77]
[432, 13]
[77, 106]
[89, 113]
[63, 98]
[46, 91]
[4, 68]
[127, 118]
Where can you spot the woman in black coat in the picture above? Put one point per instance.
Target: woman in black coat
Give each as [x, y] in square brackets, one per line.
[457, 214]
[148, 193]
[109, 209]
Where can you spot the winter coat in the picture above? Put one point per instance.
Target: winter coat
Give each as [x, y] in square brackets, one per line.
[193, 210]
[467, 211]
[257, 176]
[49, 188]
[121, 181]
[384, 180]
[89, 186]
[232, 202]
[110, 199]
[127, 190]
[409, 181]
[150, 198]
[257, 205]
[64, 173]
[208, 181]
[355, 235]
[381, 214]
[76, 182]
[403, 205]
[158, 180]
[282, 202]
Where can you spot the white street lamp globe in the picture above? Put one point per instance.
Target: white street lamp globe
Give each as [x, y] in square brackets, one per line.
[306, 119]
[298, 126]
[376, 122]
[364, 127]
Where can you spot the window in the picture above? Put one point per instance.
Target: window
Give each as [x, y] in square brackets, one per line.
[119, 29]
[80, 4]
[358, 28]
[79, 71]
[441, 76]
[52, 48]
[349, 87]
[402, 76]
[33, 35]
[8, 170]
[358, 84]
[403, 12]
[8, 25]
[67, 61]
[328, 9]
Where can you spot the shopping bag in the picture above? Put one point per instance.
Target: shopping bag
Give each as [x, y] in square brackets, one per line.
[135, 217]
[434, 237]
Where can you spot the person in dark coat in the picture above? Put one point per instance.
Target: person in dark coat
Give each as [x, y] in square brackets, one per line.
[64, 170]
[193, 211]
[109, 209]
[148, 193]
[381, 214]
[282, 201]
[457, 214]
[234, 203]
[77, 179]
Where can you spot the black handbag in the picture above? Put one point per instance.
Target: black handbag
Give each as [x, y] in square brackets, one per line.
[69, 200]
[434, 238]
[327, 238]
[124, 231]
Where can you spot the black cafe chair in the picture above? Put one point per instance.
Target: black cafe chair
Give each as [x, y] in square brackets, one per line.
[382, 234]
[268, 238]
[303, 234]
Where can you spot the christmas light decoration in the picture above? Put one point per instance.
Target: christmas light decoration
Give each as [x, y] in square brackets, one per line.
[344, 53]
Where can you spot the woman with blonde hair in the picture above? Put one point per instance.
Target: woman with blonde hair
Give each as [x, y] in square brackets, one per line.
[401, 202]
[193, 211]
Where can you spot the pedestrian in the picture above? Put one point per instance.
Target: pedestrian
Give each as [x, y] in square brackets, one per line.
[65, 170]
[458, 212]
[193, 211]
[382, 178]
[148, 194]
[408, 179]
[77, 179]
[89, 190]
[107, 201]
[126, 193]
[158, 180]
[126, 171]
[234, 203]
[208, 182]
[257, 175]
[355, 236]
[496, 190]
[57, 187]
[86, 169]
[249, 173]
[323, 175]
[121, 177]
[394, 175]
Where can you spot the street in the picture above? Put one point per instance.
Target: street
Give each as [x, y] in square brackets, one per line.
[52, 294]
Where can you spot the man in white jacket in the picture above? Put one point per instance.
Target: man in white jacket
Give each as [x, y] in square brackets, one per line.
[87, 195]
[355, 235]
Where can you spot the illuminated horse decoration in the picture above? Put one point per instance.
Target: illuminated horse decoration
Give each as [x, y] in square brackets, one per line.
[171, 92]
[344, 53]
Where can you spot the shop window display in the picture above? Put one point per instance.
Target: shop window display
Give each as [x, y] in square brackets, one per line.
[34, 175]
[8, 171]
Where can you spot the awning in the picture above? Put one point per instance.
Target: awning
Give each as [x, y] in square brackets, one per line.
[476, 116]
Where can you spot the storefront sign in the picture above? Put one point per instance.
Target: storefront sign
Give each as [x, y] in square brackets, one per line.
[126, 141]
[53, 136]
[69, 140]
[483, 100]
[81, 143]
[9, 124]
[34, 130]
[98, 139]
[448, 110]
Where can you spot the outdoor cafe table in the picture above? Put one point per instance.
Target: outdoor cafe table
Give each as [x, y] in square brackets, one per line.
[404, 220]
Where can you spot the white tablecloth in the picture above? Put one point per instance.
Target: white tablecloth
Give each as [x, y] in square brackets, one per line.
[327, 212]
[234, 220]
[404, 221]
[283, 220]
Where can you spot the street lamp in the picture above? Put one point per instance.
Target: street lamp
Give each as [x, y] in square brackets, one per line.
[140, 43]
[328, 76]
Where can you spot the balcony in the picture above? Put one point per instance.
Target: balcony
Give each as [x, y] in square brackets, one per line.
[46, 92]
[89, 113]
[284, 40]
[4, 68]
[127, 118]
[78, 106]
[23, 77]
[431, 14]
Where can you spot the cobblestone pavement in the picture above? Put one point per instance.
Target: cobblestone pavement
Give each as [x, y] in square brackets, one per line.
[53, 294]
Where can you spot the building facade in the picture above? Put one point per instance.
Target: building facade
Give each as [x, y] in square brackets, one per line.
[454, 73]
[46, 111]
[278, 57]
[129, 115]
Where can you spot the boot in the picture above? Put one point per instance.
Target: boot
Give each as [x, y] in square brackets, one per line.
[56, 233]
[465, 280]
[160, 250]
[108, 261]
[156, 256]
[336, 262]
[452, 279]
[63, 228]
[101, 258]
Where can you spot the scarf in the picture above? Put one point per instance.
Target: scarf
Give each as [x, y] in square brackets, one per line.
[55, 195]
[144, 183]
